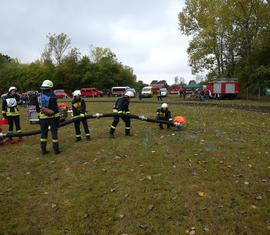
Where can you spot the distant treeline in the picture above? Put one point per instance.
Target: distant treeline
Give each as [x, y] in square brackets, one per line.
[66, 68]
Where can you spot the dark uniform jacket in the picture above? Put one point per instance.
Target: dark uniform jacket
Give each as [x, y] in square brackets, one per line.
[78, 107]
[163, 114]
[10, 105]
[121, 106]
[32, 99]
[48, 100]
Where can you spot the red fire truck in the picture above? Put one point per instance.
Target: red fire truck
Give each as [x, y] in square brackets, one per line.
[176, 88]
[223, 89]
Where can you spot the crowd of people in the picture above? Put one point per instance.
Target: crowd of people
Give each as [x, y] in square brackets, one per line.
[48, 114]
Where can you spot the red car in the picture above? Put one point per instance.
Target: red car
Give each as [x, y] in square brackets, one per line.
[60, 94]
[91, 92]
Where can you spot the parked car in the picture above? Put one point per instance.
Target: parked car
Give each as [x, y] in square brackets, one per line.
[121, 90]
[60, 94]
[91, 92]
[147, 92]
[163, 92]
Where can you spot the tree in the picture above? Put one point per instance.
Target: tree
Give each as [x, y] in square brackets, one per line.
[56, 48]
[181, 80]
[66, 68]
[4, 59]
[98, 53]
[227, 35]
[176, 80]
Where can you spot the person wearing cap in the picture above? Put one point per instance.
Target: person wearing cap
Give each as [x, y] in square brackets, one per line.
[121, 107]
[164, 114]
[79, 112]
[10, 110]
[49, 116]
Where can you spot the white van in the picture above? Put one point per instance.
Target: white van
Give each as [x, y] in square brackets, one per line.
[121, 90]
[163, 92]
[147, 92]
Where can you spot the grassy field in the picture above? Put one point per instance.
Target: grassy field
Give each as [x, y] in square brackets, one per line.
[212, 177]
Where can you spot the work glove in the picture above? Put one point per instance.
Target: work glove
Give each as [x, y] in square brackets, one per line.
[4, 116]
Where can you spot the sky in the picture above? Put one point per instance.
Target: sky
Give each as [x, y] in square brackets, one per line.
[144, 34]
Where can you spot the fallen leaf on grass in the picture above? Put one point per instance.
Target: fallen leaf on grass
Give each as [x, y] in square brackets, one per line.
[253, 207]
[149, 177]
[113, 189]
[201, 194]
[258, 197]
[150, 207]
[121, 216]
[144, 226]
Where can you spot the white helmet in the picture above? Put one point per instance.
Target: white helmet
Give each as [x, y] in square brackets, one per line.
[77, 93]
[47, 84]
[12, 88]
[164, 106]
[129, 94]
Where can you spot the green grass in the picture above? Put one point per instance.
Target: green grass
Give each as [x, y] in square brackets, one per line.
[144, 184]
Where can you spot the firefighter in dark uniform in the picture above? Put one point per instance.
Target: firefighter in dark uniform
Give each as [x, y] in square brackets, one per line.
[79, 112]
[121, 107]
[10, 110]
[49, 116]
[164, 114]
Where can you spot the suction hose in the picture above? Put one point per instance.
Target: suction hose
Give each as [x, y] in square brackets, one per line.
[90, 116]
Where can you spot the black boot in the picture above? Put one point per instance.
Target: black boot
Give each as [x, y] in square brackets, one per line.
[160, 126]
[56, 148]
[88, 138]
[127, 132]
[111, 135]
[43, 148]
[78, 139]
